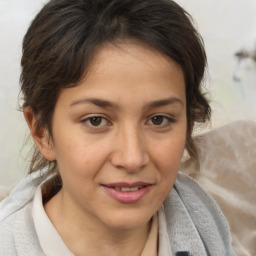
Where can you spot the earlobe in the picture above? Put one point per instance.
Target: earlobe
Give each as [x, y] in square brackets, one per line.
[40, 135]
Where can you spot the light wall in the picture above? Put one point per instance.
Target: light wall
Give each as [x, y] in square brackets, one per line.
[227, 26]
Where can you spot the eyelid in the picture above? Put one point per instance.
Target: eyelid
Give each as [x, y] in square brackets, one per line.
[87, 118]
[171, 120]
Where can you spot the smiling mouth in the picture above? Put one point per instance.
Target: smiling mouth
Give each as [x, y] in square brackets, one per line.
[127, 189]
[124, 186]
[127, 193]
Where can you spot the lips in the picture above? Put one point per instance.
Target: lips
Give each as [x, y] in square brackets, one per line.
[126, 189]
[127, 192]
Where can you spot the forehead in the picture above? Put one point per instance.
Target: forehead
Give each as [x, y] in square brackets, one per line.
[132, 55]
[120, 71]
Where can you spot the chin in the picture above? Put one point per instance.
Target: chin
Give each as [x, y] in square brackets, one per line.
[128, 220]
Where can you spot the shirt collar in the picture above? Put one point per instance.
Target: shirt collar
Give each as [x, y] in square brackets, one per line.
[45, 229]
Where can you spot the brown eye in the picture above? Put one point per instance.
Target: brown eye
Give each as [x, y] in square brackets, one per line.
[95, 121]
[157, 120]
[161, 121]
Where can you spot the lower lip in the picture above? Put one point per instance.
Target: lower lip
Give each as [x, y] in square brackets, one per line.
[127, 197]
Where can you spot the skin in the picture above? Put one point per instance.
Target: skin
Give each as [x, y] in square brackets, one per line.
[131, 84]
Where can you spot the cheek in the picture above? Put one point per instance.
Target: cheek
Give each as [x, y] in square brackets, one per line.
[168, 161]
[79, 157]
[75, 159]
[78, 165]
[170, 151]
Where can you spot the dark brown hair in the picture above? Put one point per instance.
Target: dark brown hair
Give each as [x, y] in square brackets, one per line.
[64, 36]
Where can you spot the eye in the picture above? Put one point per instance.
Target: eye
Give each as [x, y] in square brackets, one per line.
[95, 121]
[157, 120]
[161, 120]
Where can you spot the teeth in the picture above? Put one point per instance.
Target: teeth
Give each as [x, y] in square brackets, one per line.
[125, 189]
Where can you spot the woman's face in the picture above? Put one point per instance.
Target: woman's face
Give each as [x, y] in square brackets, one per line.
[119, 136]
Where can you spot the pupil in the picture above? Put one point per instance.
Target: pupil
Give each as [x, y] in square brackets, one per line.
[95, 121]
[157, 120]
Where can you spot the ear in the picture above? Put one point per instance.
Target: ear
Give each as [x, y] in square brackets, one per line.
[40, 136]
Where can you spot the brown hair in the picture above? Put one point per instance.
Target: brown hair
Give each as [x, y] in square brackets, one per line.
[64, 36]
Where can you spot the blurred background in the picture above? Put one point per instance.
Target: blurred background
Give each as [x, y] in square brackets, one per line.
[229, 31]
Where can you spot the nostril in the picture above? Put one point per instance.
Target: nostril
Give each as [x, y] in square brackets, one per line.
[130, 152]
[129, 163]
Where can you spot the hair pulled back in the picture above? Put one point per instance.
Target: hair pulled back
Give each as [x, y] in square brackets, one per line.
[64, 36]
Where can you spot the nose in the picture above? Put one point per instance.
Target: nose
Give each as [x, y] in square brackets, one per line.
[130, 152]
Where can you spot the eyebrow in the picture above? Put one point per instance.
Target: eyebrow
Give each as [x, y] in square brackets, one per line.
[164, 102]
[98, 102]
[105, 103]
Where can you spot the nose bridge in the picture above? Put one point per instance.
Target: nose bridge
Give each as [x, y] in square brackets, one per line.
[131, 150]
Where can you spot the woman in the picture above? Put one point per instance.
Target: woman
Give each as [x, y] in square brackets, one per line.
[112, 90]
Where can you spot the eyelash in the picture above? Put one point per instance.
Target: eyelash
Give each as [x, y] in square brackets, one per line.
[166, 119]
[88, 121]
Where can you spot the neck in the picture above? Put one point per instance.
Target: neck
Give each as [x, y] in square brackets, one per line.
[85, 236]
